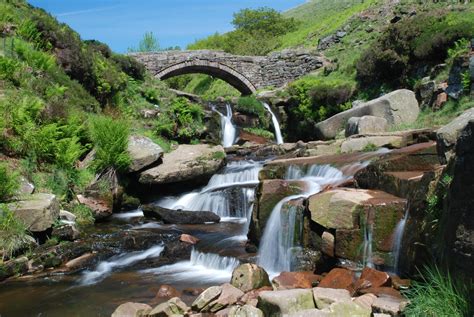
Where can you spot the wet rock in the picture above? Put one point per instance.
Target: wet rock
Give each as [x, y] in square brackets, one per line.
[373, 278]
[291, 280]
[187, 238]
[339, 279]
[278, 303]
[209, 295]
[365, 300]
[389, 305]
[167, 291]
[130, 309]
[251, 298]
[16, 266]
[67, 216]
[173, 307]
[100, 208]
[80, 262]
[245, 311]
[448, 134]
[360, 143]
[327, 246]
[193, 291]
[245, 136]
[229, 296]
[399, 283]
[365, 124]
[187, 163]
[397, 107]
[324, 297]
[143, 152]
[247, 277]
[382, 291]
[66, 232]
[179, 216]
[38, 212]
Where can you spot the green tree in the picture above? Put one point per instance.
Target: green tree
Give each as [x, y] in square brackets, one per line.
[149, 43]
[263, 20]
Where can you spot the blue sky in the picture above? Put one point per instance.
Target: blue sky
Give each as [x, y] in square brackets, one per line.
[122, 23]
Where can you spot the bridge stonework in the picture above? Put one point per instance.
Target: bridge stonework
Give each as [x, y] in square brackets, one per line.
[246, 73]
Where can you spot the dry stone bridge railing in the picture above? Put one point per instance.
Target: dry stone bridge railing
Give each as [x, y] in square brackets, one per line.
[245, 73]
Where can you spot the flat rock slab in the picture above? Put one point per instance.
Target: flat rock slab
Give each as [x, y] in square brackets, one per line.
[324, 297]
[186, 163]
[143, 152]
[361, 143]
[39, 212]
[170, 216]
[278, 303]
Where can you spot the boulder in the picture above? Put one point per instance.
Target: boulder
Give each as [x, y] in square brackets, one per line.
[365, 300]
[201, 303]
[365, 124]
[324, 297]
[291, 280]
[372, 278]
[100, 208]
[143, 152]
[13, 267]
[426, 92]
[26, 188]
[448, 134]
[382, 292]
[245, 311]
[339, 279]
[38, 212]
[173, 307]
[67, 216]
[229, 296]
[167, 291]
[81, 261]
[251, 298]
[170, 216]
[247, 277]
[349, 309]
[363, 143]
[389, 305]
[280, 303]
[187, 238]
[130, 309]
[66, 232]
[397, 107]
[327, 245]
[187, 163]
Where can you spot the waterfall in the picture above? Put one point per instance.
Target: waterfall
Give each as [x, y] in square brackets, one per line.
[104, 268]
[397, 241]
[367, 246]
[276, 124]
[278, 240]
[229, 194]
[228, 131]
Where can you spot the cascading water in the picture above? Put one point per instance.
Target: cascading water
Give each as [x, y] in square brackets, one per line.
[367, 247]
[276, 124]
[397, 241]
[228, 131]
[278, 240]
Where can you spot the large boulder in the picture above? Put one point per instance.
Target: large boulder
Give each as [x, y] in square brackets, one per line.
[170, 216]
[366, 124]
[397, 107]
[130, 309]
[370, 143]
[247, 277]
[143, 152]
[100, 208]
[201, 303]
[281, 303]
[187, 163]
[324, 297]
[290, 280]
[171, 308]
[339, 279]
[449, 134]
[38, 212]
[229, 296]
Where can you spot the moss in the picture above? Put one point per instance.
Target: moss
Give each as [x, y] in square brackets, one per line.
[219, 155]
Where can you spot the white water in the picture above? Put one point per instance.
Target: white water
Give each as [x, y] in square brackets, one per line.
[229, 194]
[367, 247]
[202, 267]
[397, 241]
[276, 124]
[104, 268]
[129, 215]
[278, 240]
[228, 131]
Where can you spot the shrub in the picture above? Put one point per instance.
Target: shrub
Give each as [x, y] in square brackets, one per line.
[130, 66]
[13, 233]
[110, 139]
[9, 182]
[437, 294]
[84, 215]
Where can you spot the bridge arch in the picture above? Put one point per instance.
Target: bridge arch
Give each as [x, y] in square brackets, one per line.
[215, 69]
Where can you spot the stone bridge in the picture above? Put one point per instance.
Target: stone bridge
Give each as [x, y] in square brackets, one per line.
[245, 73]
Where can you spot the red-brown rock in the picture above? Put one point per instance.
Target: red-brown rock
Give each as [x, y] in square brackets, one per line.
[290, 280]
[251, 298]
[382, 291]
[193, 291]
[188, 239]
[372, 278]
[167, 291]
[339, 278]
[399, 283]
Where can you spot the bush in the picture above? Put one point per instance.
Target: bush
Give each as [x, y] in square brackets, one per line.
[110, 139]
[130, 66]
[437, 294]
[84, 215]
[13, 233]
[9, 182]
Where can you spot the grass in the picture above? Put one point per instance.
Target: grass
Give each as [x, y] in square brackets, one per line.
[13, 233]
[84, 215]
[9, 182]
[260, 132]
[437, 294]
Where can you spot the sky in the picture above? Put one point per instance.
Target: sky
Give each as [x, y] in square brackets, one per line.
[122, 23]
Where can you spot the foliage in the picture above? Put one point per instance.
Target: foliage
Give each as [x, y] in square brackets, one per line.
[219, 155]
[437, 294]
[9, 182]
[149, 43]
[261, 132]
[370, 147]
[130, 66]
[84, 215]
[110, 139]
[250, 105]
[13, 233]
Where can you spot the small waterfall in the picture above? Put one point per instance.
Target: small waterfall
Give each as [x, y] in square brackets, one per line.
[367, 247]
[213, 261]
[104, 268]
[397, 241]
[278, 240]
[276, 124]
[229, 194]
[228, 131]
